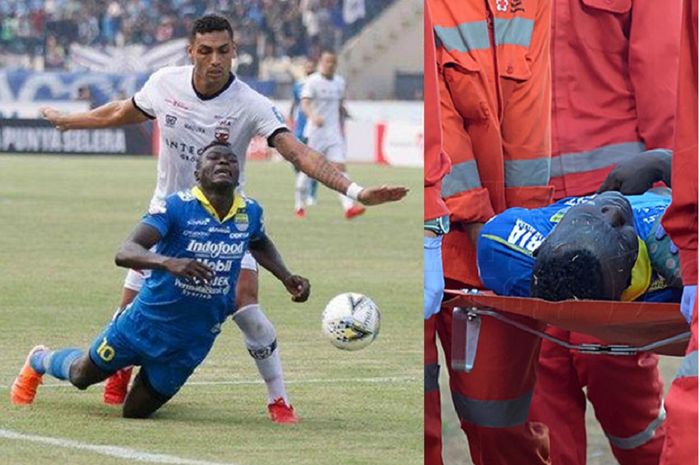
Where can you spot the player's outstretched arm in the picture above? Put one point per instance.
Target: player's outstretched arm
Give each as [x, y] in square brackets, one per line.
[267, 255]
[316, 166]
[134, 253]
[112, 114]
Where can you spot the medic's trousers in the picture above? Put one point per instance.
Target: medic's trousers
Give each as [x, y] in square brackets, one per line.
[681, 446]
[626, 393]
[492, 401]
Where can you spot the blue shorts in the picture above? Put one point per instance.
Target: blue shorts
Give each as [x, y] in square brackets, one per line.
[166, 360]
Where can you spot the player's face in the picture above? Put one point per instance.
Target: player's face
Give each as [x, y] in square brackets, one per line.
[327, 64]
[218, 168]
[211, 54]
[309, 67]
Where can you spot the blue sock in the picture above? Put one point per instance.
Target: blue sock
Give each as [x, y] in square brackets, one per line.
[36, 361]
[57, 363]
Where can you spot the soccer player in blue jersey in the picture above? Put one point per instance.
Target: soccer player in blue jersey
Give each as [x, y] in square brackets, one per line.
[200, 237]
[298, 119]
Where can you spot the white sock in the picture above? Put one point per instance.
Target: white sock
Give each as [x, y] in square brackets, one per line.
[301, 191]
[261, 342]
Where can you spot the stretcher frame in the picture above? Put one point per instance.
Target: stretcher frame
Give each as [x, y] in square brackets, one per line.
[466, 327]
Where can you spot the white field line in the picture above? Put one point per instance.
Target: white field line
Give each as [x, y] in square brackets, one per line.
[377, 380]
[112, 451]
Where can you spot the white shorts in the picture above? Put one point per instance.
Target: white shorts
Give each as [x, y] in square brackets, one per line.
[135, 278]
[333, 151]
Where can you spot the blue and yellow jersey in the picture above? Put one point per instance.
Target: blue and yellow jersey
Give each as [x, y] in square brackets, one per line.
[507, 241]
[190, 228]
[299, 116]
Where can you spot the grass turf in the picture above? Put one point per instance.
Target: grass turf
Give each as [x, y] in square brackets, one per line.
[61, 220]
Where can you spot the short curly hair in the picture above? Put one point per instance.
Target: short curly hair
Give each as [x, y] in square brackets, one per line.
[214, 143]
[210, 23]
[570, 274]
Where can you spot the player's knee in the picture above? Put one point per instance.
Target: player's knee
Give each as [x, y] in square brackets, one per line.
[79, 376]
[133, 411]
[79, 380]
[259, 332]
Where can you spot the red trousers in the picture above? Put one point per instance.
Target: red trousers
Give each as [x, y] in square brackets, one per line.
[625, 391]
[681, 446]
[492, 401]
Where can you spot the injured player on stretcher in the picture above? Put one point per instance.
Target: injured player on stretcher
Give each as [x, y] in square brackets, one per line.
[601, 247]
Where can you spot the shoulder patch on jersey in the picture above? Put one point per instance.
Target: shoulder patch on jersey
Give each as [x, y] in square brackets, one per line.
[556, 218]
[186, 196]
[278, 114]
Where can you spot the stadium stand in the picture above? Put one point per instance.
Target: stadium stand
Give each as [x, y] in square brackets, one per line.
[45, 34]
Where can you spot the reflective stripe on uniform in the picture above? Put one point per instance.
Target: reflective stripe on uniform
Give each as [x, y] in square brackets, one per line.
[522, 173]
[493, 413]
[474, 35]
[581, 162]
[463, 177]
[640, 438]
[689, 366]
[464, 37]
[516, 31]
[430, 377]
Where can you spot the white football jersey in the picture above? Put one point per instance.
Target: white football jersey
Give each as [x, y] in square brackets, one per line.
[189, 121]
[326, 95]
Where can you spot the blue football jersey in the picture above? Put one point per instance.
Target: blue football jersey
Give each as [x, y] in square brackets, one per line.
[507, 241]
[189, 228]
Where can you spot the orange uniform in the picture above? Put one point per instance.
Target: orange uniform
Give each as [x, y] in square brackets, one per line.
[681, 223]
[494, 78]
[437, 164]
[613, 86]
[495, 94]
[613, 95]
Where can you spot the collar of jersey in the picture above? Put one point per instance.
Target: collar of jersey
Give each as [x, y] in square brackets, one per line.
[231, 78]
[641, 275]
[238, 204]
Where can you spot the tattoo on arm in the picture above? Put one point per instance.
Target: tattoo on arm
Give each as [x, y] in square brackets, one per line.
[311, 162]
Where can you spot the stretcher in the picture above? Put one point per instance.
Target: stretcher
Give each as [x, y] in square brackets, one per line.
[626, 327]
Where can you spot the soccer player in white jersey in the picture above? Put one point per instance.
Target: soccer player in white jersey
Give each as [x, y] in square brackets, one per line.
[194, 105]
[322, 100]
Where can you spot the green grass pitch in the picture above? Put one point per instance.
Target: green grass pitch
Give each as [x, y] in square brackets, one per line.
[62, 219]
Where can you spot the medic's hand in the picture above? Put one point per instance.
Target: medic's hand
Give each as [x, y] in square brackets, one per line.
[190, 269]
[688, 302]
[638, 174]
[298, 286]
[433, 280]
[381, 194]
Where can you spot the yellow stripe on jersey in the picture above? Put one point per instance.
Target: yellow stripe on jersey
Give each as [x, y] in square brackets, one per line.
[238, 204]
[641, 275]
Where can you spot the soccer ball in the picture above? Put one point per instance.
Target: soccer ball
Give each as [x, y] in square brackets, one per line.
[350, 321]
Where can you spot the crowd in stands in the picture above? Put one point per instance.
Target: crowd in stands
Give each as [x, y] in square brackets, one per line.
[38, 33]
